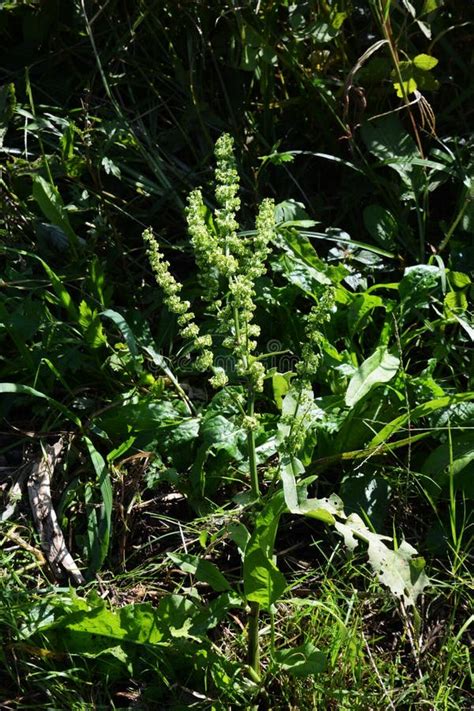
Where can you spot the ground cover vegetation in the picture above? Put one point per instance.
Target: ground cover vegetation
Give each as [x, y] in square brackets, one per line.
[236, 442]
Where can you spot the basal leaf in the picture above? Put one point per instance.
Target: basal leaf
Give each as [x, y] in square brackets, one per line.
[380, 368]
[305, 660]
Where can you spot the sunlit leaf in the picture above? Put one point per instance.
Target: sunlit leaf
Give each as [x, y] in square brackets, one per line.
[380, 368]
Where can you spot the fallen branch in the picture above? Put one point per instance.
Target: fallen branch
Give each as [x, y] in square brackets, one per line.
[39, 492]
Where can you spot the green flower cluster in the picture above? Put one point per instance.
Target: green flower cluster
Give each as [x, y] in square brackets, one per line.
[294, 425]
[171, 289]
[311, 350]
[229, 264]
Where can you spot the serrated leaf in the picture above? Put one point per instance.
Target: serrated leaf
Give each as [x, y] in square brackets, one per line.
[380, 368]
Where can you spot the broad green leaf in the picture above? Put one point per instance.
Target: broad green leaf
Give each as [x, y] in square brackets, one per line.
[418, 285]
[203, 569]
[381, 225]
[387, 139]
[263, 582]
[430, 6]
[455, 301]
[124, 328]
[381, 367]
[305, 660]
[458, 280]
[422, 410]
[219, 433]
[281, 385]
[401, 570]
[94, 628]
[452, 459]
[290, 213]
[290, 467]
[50, 202]
[361, 307]
[425, 62]
[301, 265]
[302, 275]
[239, 534]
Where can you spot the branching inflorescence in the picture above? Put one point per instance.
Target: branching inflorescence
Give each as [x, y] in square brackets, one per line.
[228, 267]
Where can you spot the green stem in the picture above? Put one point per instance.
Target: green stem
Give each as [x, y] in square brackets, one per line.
[272, 631]
[251, 447]
[253, 643]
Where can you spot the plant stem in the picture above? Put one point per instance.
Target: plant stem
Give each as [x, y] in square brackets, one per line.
[253, 657]
[251, 448]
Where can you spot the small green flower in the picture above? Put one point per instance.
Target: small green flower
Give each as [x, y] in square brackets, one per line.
[171, 289]
[219, 379]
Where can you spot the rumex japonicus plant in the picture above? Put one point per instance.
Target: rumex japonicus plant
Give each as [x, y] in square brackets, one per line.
[229, 263]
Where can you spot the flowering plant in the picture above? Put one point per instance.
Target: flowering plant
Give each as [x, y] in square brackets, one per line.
[229, 264]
